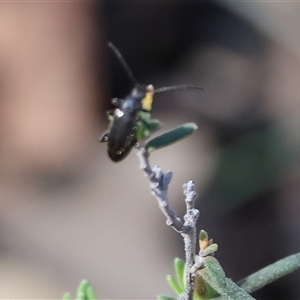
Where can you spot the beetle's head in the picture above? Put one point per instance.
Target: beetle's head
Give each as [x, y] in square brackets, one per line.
[140, 91]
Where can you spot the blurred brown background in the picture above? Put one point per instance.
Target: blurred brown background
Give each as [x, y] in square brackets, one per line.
[67, 212]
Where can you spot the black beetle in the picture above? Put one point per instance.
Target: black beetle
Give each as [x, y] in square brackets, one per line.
[130, 121]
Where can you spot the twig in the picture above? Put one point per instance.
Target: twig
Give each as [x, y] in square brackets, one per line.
[190, 221]
[159, 182]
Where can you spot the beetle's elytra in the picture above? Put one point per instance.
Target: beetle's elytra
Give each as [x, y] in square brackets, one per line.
[130, 122]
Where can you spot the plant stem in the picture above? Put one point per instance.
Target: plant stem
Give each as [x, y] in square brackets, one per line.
[159, 182]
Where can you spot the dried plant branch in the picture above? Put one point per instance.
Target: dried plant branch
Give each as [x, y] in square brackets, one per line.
[159, 182]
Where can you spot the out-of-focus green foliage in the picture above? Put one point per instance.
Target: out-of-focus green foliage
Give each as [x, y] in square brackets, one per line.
[85, 292]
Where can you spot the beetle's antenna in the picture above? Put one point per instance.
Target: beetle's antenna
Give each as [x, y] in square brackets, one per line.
[123, 62]
[176, 87]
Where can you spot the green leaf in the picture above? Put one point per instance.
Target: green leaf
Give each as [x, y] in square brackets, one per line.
[211, 249]
[164, 297]
[174, 285]
[86, 291]
[178, 285]
[271, 273]
[203, 236]
[90, 293]
[66, 296]
[214, 275]
[170, 137]
[180, 272]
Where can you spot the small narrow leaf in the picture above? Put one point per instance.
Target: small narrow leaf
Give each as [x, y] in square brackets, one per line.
[66, 296]
[203, 236]
[85, 291]
[214, 275]
[180, 272]
[170, 137]
[164, 297]
[81, 290]
[211, 249]
[174, 285]
[271, 273]
[90, 293]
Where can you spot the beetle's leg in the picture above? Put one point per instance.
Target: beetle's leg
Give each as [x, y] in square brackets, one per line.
[147, 127]
[110, 115]
[153, 125]
[103, 138]
[117, 101]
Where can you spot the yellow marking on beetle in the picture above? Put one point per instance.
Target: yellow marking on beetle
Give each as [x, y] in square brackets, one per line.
[148, 99]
